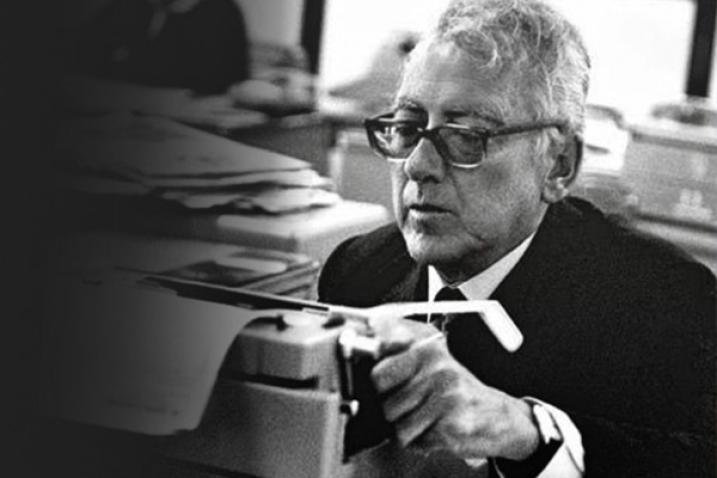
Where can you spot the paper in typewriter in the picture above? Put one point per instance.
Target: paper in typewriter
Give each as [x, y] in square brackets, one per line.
[133, 359]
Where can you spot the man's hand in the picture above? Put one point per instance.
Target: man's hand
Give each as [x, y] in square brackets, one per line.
[437, 404]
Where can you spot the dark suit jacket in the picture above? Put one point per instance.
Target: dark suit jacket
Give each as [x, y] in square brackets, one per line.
[619, 333]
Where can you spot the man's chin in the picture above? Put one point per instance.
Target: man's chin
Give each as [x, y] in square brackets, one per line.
[429, 250]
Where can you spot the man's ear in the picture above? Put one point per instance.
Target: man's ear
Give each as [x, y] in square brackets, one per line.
[563, 171]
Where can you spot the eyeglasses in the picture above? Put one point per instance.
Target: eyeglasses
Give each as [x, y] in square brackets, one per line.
[460, 145]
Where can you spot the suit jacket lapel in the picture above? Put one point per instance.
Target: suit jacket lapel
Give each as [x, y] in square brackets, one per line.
[413, 287]
[544, 264]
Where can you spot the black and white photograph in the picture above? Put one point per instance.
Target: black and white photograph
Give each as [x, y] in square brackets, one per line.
[360, 239]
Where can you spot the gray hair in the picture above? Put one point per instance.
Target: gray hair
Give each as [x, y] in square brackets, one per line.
[530, 38]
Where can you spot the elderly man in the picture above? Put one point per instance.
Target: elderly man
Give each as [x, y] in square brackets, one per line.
[616, 375]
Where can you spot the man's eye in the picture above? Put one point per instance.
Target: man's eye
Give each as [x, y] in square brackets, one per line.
[404, 129]
[468, 138]
[463, 144]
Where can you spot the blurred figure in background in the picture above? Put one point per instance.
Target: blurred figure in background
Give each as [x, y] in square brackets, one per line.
[197, 44]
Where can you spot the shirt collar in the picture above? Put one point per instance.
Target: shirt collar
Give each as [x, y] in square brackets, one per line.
[481, 286]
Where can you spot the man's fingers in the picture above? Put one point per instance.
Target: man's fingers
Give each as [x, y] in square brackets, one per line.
[397, 334]
[405, 399]
[413, 425]
[418, 359]
[427, 357]
[393, 372]
[396, 343]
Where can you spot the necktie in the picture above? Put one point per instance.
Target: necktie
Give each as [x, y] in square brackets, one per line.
[449, 293]
[465, 333]
[441, 321]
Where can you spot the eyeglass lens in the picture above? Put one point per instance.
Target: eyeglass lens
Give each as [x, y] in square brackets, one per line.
[397, 140]
[455, 145]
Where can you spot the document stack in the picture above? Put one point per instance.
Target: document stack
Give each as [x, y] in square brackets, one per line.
[98, 257]
[261, 270]
[131, 155]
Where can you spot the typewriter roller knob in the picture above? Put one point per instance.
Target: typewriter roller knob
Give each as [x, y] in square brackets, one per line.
[354, 344]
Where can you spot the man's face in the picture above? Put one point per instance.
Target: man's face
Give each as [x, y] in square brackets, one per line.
[463, 220]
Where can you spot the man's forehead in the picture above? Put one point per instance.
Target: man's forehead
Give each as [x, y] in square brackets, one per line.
[441, 77]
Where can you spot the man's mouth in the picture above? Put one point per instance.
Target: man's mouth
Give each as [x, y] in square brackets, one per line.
[427, 208]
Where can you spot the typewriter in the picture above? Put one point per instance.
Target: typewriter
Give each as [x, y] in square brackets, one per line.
[291, 394]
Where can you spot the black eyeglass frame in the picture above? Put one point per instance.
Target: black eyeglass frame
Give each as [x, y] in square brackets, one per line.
[433, 135]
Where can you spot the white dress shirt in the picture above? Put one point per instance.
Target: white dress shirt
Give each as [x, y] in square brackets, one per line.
[568, 461]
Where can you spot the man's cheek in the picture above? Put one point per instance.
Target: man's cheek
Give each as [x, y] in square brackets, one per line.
[399, 183]
[399, 210]
[418, 246]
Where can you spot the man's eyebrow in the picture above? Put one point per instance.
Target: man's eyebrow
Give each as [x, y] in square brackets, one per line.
[407, 104]
[481, 112]
[478, 112]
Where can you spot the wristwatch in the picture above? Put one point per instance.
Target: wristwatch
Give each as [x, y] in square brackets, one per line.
[544, 421]
[550, 441]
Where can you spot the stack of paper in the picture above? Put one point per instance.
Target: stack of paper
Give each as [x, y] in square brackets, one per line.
[96, 257]
[132, 155]
[262, 270]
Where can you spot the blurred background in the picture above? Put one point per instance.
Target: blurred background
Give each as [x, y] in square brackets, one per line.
[298, 77]
[219, 142]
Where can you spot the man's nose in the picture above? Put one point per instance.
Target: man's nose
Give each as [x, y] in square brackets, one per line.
[424, 163]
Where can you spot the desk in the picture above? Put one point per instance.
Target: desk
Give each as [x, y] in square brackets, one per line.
[315, 232]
